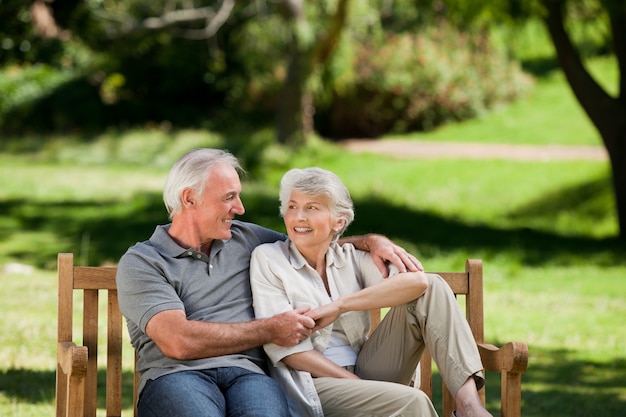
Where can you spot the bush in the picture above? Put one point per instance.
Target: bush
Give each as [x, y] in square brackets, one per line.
[22, 87]
[419, 81]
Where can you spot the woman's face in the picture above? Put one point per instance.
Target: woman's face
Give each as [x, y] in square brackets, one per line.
[309, 221]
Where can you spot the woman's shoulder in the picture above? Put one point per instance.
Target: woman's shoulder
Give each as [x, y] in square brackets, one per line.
[347, 252]
[347, 249]
[272, 248]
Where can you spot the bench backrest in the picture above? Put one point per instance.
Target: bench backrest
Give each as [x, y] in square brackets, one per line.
[94, 282]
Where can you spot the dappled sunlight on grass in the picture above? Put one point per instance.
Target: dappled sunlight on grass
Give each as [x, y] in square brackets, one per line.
[545, 231]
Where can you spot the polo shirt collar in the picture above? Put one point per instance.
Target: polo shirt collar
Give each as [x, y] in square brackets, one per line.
[168, 246]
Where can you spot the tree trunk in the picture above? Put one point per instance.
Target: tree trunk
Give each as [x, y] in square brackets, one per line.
[296, 108]
[292, 110]
[608, 114]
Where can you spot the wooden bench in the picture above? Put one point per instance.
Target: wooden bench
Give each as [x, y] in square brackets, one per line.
[77, 362]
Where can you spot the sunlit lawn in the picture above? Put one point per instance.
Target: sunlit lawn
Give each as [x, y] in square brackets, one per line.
[545, 231]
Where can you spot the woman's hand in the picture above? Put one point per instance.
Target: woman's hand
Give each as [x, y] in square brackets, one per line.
[324, 315]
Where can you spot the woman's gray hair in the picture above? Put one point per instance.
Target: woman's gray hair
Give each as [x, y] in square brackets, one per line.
[318, 182]
[192, 171]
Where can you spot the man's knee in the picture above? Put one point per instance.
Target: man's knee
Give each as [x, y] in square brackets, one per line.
[256, 395]
[181, 394]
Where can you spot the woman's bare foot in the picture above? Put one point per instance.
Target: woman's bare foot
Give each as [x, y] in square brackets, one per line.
[468, 402]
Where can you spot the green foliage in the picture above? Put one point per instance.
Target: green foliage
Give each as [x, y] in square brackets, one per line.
[21, 88]
[420, 81]
[398, 67]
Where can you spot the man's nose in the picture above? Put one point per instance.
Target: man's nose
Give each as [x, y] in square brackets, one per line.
[239, 208]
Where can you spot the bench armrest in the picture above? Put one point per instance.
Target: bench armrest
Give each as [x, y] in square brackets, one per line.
[72, 359]
[71, 375]
[512, 357]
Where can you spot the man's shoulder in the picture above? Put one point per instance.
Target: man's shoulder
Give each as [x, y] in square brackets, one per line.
[259, 233]
[243, 225]
[138, 248]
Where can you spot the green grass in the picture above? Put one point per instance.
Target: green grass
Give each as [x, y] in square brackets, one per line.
[549, 115]
[545, 231]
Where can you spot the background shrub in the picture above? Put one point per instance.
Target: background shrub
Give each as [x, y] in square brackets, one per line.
[417, 81]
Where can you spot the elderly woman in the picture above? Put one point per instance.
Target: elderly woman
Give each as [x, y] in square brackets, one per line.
[338, 371]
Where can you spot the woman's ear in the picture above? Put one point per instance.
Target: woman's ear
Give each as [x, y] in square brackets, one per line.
[339, 224]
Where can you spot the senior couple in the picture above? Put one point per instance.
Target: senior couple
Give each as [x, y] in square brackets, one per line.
[202, 343]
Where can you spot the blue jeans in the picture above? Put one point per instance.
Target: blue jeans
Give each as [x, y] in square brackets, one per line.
[231, 391]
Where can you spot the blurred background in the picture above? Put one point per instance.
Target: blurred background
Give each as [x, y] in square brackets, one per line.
[98, 98]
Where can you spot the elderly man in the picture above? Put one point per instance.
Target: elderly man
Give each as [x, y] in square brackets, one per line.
[187, 300]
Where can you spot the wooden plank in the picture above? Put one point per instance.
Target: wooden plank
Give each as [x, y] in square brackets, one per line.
[511, 394]
[88, 277]
[448, 401]
[458, 281]
[135, 387]
[90, 340]
[426, 373]
[114, 356]
[65, 300]
[75, 387]
[474, 302]
[65, 307]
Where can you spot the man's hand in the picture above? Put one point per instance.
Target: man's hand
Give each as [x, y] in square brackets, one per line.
[324, 315]
[384, 250]
[292, 327]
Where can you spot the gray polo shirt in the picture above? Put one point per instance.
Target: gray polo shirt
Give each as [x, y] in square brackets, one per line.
[158, 275]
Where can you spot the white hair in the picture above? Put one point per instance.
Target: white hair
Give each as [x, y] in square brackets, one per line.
[192, 171]
[318, 182]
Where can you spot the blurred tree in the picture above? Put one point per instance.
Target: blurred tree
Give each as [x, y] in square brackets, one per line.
[309, 49]
[607, 113]
[133, 30]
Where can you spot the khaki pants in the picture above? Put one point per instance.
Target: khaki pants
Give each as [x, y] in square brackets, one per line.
[393, 352]
[366, 398]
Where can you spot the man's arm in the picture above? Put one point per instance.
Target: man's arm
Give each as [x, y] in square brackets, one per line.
[184, 339]
[383, 250]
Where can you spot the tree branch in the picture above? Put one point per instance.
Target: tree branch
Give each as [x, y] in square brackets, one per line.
[175, 20]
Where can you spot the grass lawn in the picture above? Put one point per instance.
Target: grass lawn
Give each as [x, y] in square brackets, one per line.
[553, 271]
[545, 231]
[549, 115]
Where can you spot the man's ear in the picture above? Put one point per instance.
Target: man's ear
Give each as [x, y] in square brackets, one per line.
[188, 198]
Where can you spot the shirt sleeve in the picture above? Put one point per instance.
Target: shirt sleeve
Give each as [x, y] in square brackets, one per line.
[143, 290]
[270, 296]
[366, 270]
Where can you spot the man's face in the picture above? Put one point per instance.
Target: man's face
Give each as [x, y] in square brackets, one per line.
[219, 203]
